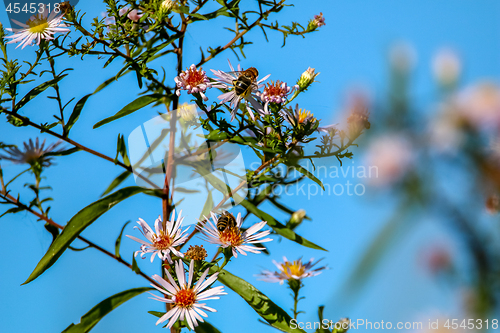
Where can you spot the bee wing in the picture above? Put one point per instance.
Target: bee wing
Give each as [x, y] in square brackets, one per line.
[235, 73]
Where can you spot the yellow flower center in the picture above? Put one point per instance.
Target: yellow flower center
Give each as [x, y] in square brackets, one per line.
[294, 268]
[38, 25]
[303, 115]
[231, 235]
[185, 298]
[162, 241]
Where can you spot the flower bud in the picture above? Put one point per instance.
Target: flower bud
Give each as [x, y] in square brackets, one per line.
[342, 325]
[167, 5]
[296, 219]
[67, 10]
[446, 67]
[317, 22]
[307, 78]
[493, 204]
[196, 252]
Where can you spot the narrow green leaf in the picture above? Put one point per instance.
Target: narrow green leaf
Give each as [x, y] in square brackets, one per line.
[37, 91]
[117, 181]
[54, 231]
[12, 211]
[76, 113]
[77, 224]
[135, 267]
[309, 175]
[105, 84]
[91, 318]
[278, 227]
[119, 240]
[267, 309]
[206, 327]
[121, 149]
[137, 104]
[209, 205]
[64, 152]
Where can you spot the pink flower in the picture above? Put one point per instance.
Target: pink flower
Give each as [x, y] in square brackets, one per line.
[194, 81]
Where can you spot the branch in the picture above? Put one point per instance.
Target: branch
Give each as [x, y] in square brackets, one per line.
[16, 202]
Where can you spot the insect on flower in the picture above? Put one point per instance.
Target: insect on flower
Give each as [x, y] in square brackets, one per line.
[242, 84]
[232, 236]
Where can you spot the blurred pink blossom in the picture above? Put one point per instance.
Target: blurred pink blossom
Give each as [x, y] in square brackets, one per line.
[392, 155]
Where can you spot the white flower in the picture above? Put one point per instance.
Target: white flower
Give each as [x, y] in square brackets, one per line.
[227, 80]
[291, 270]
[38, 27]
[164, 239]
[233, 236]
[185, 297]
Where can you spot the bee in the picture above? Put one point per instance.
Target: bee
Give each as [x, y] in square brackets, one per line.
[245, 82]
[226, 220]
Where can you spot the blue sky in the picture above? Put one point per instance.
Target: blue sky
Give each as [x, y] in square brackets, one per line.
[350, 51]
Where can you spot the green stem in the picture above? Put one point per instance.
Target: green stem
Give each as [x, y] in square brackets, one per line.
[55, 86]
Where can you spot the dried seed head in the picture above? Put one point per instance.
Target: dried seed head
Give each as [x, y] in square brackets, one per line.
[196, 252]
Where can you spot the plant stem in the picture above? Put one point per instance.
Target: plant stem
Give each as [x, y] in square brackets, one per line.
[56, 86]
[26, 121]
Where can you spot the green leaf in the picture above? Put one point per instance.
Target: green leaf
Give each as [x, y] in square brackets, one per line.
[278, 227]
[91, 318]
[137, 104]
[206, 327]
[121, 149]
[320, 316]
[54, 231]
[119, 240]
[77, 224]
[105, 84]
[309, 175]
[37, 91]
[64, 152]
[198, 16]
[75, 114]
[209, 205]
[135, 267]
[117, 181]
[267, 309]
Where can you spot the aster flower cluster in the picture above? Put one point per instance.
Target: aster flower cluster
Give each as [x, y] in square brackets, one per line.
[185, 296]
[268, 100]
